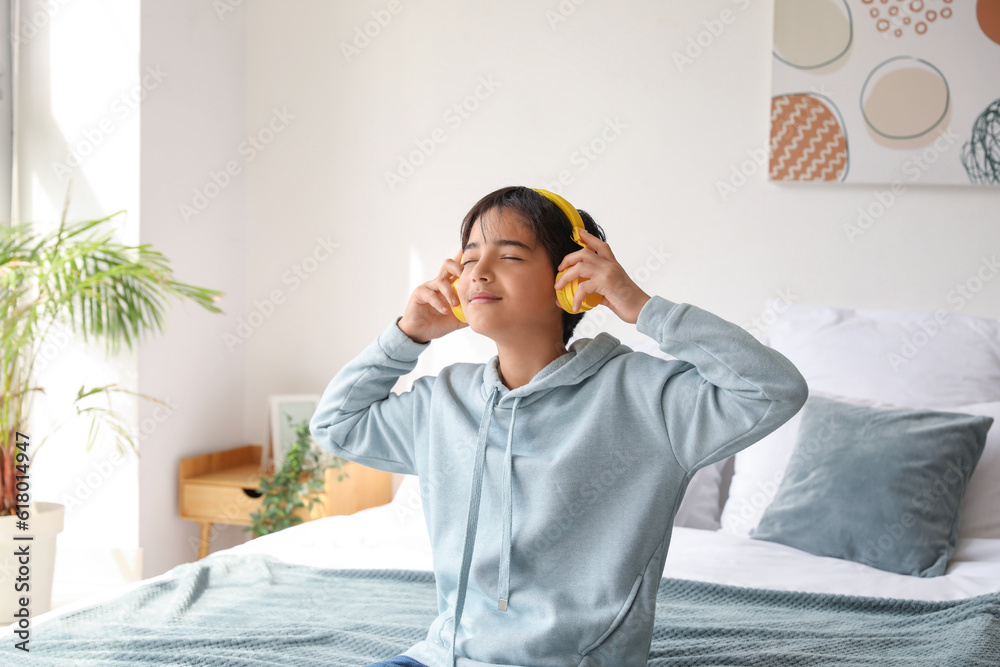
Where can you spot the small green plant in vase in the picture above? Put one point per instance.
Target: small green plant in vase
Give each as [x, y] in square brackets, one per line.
[295, 485]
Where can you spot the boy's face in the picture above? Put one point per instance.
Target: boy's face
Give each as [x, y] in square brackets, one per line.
[509, 264]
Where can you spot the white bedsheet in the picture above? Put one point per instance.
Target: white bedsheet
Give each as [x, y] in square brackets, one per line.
[394, 536]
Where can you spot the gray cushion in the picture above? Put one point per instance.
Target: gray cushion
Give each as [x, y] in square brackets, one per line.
[877, 486]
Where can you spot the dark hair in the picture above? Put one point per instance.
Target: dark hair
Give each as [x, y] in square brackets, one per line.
[551, 227]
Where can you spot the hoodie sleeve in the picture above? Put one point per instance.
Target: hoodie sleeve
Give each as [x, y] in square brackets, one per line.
[360, 419]
[732, 390]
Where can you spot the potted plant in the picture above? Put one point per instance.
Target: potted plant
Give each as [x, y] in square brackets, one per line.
[291, 493]
[80, 279]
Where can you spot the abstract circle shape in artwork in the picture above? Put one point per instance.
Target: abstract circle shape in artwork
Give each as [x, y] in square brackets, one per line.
[811, 33]
[904, 98]
[981, 153]
[988, 15]
[808, 142]
[900, 17]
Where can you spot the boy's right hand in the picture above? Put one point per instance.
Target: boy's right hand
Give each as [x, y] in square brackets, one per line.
[428, 312]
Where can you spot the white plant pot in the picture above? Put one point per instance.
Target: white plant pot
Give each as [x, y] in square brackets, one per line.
[45, 522]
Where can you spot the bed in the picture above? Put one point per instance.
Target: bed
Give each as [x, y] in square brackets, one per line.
[788, 560]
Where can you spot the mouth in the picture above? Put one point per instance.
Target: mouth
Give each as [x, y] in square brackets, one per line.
[483, 297]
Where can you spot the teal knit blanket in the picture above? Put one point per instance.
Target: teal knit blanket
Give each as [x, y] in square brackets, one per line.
[256, 610]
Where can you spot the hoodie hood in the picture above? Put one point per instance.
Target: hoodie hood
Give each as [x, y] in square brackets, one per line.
[584, 358]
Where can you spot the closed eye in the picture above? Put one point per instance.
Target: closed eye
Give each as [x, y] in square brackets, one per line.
[469, 261]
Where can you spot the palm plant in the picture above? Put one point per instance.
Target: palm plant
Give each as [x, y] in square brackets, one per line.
[79, 278]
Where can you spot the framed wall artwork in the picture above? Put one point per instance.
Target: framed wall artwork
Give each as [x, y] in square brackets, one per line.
[886, 91]
[298, 407]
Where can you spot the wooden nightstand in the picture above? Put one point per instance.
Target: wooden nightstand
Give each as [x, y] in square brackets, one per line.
[222, 487]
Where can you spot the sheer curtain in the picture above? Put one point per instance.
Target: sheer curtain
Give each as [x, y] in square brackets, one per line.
[8, 63]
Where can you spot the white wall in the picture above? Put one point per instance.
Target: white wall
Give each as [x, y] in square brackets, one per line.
[191, 128]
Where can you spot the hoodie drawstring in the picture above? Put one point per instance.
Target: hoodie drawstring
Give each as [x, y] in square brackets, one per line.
[503, 587]
[470, 527]
[473, 521]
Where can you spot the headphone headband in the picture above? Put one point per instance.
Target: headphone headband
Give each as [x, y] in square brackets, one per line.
[569, 210]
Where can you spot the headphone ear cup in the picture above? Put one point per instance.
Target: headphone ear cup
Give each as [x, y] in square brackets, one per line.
[566, 295]
[457, 309]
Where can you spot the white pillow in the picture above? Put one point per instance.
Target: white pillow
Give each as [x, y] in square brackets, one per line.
[920, 359]
[757, 472]
[700, 504]
[980, 513]
[407, 503]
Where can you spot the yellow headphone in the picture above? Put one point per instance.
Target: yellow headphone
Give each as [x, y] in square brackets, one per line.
[567, 293]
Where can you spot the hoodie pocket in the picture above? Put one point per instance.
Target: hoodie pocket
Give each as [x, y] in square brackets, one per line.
[619, 618]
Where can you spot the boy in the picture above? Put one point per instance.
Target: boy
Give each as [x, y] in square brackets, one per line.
[550, 476]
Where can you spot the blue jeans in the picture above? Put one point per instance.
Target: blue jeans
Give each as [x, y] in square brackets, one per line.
[398, 661]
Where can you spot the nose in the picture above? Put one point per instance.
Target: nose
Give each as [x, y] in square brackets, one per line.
[482, 270]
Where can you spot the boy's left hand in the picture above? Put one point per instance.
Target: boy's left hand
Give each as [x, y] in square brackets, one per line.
[600, 272]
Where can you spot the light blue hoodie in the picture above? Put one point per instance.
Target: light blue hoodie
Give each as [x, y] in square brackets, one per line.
[550, 506]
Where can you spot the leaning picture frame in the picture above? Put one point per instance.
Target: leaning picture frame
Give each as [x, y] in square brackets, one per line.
[282, 432]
